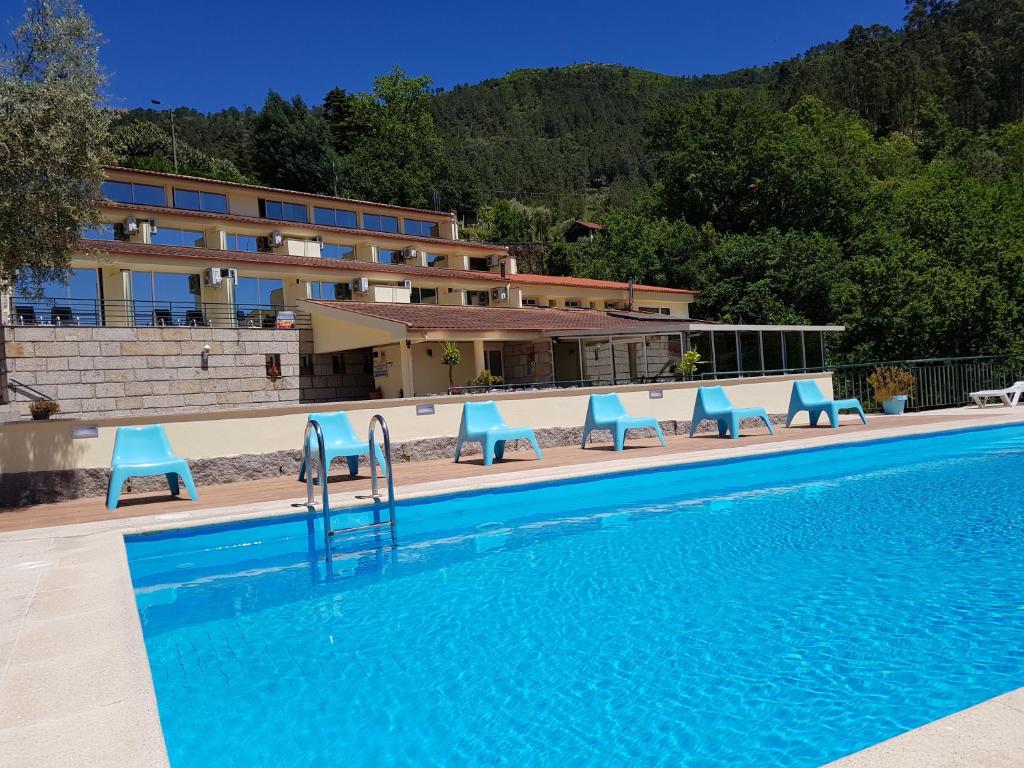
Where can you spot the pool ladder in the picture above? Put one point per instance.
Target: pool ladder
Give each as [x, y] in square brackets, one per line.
[312, 426]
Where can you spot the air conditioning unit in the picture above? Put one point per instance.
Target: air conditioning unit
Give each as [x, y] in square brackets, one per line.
[131, 225]
[152, 227]
[361, 285]
[319, 240]
[229, 274]
[275, 239]
[409, 254]
[494, 261]
[407, 284]
[499, 294]
[213, 276]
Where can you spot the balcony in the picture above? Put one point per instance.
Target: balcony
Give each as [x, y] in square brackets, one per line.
[31, 311]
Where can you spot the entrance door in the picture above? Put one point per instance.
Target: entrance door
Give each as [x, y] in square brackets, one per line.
[494, 362]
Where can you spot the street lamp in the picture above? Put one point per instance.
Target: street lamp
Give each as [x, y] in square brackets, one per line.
[174, 137]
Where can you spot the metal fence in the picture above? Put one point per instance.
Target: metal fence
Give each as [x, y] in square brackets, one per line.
[939, 382]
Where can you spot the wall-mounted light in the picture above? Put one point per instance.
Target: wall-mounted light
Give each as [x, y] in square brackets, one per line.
[205, 356]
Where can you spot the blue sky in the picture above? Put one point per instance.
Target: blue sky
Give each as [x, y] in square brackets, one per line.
[216, 53]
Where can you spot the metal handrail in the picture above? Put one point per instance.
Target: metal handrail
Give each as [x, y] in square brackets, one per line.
[314, 426]
[374, 486]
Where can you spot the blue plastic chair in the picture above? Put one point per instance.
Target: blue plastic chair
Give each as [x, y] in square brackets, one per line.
[607, 412]
[482, 423]
[144, 452]
[713, 404]
[340, 441]
[808, 397]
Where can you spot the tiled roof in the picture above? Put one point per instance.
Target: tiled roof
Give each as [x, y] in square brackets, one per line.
[277, 190]
[396, 270]
[585, 282]
[271, 224]
[427, 317]
[588, 224]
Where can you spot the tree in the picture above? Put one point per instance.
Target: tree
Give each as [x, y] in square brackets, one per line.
[145, 145]
[52, 142]
[291, 147]
[509, 221]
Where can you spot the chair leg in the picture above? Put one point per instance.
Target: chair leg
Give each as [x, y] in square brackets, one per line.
[190, 485]
[863, 417]
[499, 449]
[488, 445]
[813, 415]
[694, 424]
[117, 478]
[768, 423]
[789, 418]
[536, 446]
[172, 483]
[586, 434]
[353, 465]
[833, 417]
[723, 427]
[660, 434]
[458, 449]
[620, 437]
[734, 425]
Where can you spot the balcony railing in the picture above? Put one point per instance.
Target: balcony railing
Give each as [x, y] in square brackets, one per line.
[29, 311]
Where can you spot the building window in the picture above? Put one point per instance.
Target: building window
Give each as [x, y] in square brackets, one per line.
[421, 228]
[436, 259]
[321, 291]
[273, 364]
[385, 256]
[377, 223]
[478, 298]
[336, 251]
[654, 310]
[173, 236]
[305, 365]
[531, 302]
[274, 209]
[127, 192]
[423, 296]
[334, 217]
[572, 304]
[337, 363]
[99, 232]
[245, 243]
[479, 264]
[192, 200]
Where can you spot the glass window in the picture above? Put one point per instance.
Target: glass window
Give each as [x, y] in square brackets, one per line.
[378, 223]
[434, 259]
[173, 236]
[771, 344]
[334, 217]
[494, 362]
[421, 228]
[192, 200]
[72, 303]
[126, 192]
[479, 264]
[424, 296]
[794, 350]
[164, 298]
[99, 232]
[336, 251]
[812, 343]
[725, 352]
[385, 256]
[322, 291]
[750, 346]
[258, 291]
[701, 341]
[273, 209]
[245, 243]
[478, 298]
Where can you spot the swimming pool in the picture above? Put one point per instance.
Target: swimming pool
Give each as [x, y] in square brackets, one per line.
[780, 610]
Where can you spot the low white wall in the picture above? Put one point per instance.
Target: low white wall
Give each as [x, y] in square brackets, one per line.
[49, 445]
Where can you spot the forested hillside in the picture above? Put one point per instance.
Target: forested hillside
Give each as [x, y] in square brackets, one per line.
[876, 181]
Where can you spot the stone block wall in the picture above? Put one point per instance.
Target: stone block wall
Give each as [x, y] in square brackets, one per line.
[527, 362]
[323, 385]
[97, 372]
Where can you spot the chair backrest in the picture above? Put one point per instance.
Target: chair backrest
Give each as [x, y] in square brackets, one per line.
[606, 407]
[808, 392]
[479, 417]
[335, 426]
[1018, 385]
[141, 445]
[713, 398]
[162, 317]
[26, 314]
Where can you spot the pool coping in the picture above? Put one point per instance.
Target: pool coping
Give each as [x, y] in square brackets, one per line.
[74, 674]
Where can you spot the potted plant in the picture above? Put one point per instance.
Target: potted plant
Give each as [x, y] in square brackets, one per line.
[486, 379]
[376, 394]
[893, 387]
[41, 409]
[450, 356]
[688, 364]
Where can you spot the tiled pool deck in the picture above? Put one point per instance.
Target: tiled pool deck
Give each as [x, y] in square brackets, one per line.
[75, 687]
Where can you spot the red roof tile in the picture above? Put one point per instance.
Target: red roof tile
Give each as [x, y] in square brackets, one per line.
[427, 317]
[585, 282]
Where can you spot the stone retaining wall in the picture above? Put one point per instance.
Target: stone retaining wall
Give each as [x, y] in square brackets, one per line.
[25, 488]
[100, 372]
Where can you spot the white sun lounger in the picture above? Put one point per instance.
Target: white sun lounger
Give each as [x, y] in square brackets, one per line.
[1010, 396]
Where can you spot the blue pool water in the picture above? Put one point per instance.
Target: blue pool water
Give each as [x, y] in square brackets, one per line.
[778, 611]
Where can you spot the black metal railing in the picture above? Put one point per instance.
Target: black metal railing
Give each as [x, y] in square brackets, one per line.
[29, 311]
[942, 382]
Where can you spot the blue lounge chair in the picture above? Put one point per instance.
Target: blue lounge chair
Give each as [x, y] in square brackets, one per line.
[144, 452]
[482, 423]
[340, 441]
[808, 397]
[607, 412]
[713, 404]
